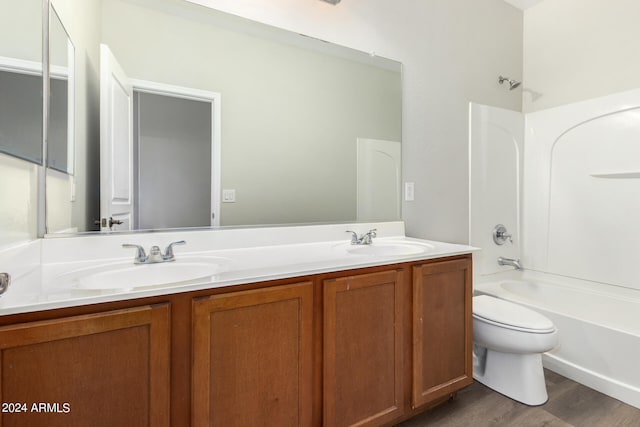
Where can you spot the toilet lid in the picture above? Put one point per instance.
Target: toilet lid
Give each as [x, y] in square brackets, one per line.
[510, 315]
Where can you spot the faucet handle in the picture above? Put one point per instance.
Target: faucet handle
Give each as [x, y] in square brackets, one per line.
[141, 256]
[168, 253]
[500, 235]
[366, 239]
[354, 237]
[5, 281]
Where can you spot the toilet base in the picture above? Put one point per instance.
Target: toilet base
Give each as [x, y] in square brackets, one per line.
[518, 376]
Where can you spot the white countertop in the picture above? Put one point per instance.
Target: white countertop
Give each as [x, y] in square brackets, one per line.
[50, 283]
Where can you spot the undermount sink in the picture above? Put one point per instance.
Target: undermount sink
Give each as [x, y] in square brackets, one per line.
[126, 275]
[388, 248]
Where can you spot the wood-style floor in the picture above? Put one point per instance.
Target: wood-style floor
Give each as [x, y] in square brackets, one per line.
[570, 404]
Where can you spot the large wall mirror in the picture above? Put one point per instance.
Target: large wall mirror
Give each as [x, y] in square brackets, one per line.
[187, 117]
[21, 118]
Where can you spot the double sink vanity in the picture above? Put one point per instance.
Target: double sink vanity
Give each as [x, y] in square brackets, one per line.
[282, 326]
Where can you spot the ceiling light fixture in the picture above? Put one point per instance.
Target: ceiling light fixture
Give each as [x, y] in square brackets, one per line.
[333, 2]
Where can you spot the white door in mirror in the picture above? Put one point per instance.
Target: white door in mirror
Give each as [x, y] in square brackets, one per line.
[116, 143]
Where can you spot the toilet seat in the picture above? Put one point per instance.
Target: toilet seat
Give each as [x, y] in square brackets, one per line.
[510, 316]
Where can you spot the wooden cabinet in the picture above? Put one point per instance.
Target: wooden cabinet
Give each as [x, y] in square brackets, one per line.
[252, 357]
[366, 347]
[104, 369]
[363, 349]
[442, 329]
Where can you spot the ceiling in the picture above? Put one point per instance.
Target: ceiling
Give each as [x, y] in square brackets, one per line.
[523, 4]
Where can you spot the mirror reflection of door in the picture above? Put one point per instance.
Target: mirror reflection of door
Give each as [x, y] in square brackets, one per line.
[378, 179]
[116, 144]
[167, 175]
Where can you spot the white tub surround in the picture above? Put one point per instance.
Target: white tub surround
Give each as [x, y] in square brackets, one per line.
[582, 190]
[243, 255]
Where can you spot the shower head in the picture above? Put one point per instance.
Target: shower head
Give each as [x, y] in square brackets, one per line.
[512, 83]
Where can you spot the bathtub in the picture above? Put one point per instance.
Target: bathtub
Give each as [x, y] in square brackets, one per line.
[598, 326]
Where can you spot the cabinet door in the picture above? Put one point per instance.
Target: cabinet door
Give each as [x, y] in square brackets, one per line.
[363, 349]
[253, 357]
[442, 329]
[106, 369]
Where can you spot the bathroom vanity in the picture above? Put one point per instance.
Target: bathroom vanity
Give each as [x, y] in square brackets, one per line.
[361, 340]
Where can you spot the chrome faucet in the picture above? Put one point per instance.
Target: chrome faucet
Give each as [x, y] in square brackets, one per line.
[155, 254]
[365, 239]
[500, 235]
[510, 261]
[5, 281]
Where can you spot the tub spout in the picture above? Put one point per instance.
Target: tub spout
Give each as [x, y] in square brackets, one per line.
[510, 261]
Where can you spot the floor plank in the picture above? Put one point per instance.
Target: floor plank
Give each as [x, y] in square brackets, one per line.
[570, 405]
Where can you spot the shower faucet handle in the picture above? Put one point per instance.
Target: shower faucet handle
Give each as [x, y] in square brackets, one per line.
[500, 235]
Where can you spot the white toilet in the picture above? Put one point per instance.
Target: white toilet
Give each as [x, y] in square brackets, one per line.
[509, 340]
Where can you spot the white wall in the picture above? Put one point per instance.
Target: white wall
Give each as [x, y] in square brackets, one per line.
[59, 202]
[18, 181]
[579, 49]
[452, 51]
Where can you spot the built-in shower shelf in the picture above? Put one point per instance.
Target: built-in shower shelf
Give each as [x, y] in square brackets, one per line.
[617, 175]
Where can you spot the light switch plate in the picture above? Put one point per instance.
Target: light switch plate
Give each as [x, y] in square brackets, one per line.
[228, 196]
[409, 191]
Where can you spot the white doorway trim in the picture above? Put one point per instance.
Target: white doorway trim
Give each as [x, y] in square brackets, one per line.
[215, 99]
